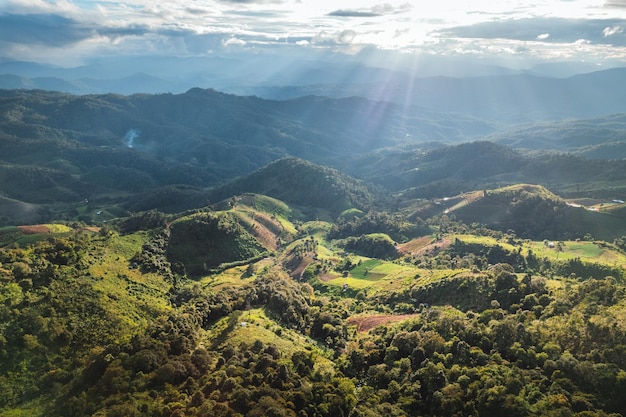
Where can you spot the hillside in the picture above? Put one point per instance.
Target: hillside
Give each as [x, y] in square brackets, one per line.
[439, 171]
[303, 183]
[131, 319]
[162, 151]
[599, 138]
[529, 211]
[175, 255]
[72, 157]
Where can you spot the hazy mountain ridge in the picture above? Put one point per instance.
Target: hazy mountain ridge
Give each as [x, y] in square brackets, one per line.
[515, 98]
[451, 170]
[493, 95]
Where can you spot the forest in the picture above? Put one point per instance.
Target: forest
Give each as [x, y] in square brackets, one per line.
[374, 314]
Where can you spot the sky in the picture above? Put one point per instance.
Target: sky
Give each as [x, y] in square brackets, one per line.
[70, 33]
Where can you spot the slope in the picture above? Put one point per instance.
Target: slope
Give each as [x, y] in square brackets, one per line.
[534, 212]
[303, 183]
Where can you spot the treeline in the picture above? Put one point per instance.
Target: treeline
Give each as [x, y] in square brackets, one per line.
[394, 225]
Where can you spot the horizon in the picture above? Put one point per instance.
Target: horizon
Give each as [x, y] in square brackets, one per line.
[580, 36]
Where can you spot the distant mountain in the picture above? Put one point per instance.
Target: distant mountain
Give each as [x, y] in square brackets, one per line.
[164, 151]
[228, 133]
[555, 91]
[442, 171]
[601, 138]
[464, 163]
[563, 69]
[510, 98]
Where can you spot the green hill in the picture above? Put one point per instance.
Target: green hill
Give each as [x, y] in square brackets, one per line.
[303, 183]
[98, 323]
[204, 241]
[533, 212]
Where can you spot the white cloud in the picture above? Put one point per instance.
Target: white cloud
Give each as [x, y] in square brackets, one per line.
[234, 41]
[612, 30]
[523, 27]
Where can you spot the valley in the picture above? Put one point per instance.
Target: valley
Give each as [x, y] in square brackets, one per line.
[205, 254]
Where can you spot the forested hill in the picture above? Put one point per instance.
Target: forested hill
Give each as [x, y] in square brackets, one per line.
[211, 129]
[302, 183]
[441, 171]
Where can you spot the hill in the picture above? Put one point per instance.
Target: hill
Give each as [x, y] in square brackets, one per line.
[486, 92]
[440, 171]
[98, 322]
[305, 184]
[242, 230]
[201, 242]
[533, 212]
[152, 151]
[507, 98]
[599, 138]
[196, 266]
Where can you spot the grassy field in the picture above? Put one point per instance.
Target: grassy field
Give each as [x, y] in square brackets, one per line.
[483, 240]
[376, 275]
[586, 251]
[133, 296]
[234, 277]
[25, 235]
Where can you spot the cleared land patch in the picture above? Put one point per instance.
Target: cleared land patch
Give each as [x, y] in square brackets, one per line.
[367, 323]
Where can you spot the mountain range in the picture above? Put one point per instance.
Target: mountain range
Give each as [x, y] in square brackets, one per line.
[491, 93]
[454, 246]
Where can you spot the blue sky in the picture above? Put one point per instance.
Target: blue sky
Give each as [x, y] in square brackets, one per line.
[70, 33]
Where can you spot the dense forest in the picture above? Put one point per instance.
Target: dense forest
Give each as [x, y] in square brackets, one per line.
[372, 315]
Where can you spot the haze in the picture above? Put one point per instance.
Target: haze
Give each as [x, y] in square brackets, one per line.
[235, 42]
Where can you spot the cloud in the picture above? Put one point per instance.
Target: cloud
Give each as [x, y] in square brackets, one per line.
[197, 11]
[42, 29]
[612, 30]
[346, 36]
[615, 3]
[374, 11]
[560, 30]
[252, 1]
[353, 13]
[233, 41]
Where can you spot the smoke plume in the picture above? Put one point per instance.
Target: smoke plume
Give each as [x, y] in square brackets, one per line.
[130, 136]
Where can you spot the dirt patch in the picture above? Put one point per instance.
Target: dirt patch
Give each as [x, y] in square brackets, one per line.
[258, 229]
[434, 248]
[414, 245]
[272, 225]
[326, 277]
[299, 269]
[366, 323]
[34, 229]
